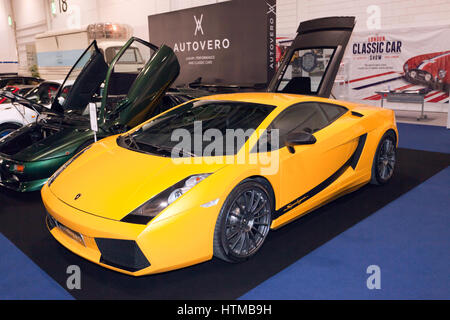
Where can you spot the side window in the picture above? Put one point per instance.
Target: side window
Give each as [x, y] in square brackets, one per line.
[303, 117]
[304, 73]
[126, 69]
[332, 111]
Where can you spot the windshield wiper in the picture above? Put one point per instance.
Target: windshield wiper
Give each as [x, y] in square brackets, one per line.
[132, 142]
[191, 154]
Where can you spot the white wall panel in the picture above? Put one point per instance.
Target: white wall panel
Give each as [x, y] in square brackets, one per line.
[287, 20]
[8, 52]
[31, 19]
[33, 16]
[135, 12]
[394, 13]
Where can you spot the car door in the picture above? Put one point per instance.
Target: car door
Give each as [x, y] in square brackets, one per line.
[140, 89]
[307, 171]
[87, 74]
[312, 61]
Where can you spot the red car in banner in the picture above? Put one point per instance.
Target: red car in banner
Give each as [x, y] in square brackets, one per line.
[431, 69]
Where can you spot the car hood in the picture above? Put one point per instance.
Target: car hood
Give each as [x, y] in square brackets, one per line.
[60, 143]
[6, 106]
[110, 181]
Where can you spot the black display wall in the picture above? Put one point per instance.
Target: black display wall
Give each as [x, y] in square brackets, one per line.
[226, 43]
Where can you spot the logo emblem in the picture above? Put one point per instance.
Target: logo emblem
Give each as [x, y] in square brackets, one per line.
[272, 8]
[198, 25]
[77, 196]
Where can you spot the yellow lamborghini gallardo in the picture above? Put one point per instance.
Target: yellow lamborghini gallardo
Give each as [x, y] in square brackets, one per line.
[212, 176]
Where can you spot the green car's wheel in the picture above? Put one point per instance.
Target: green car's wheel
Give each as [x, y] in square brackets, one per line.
[7, 128]
[244, 222]
[384, 160]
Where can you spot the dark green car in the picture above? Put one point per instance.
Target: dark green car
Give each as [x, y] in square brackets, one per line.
[126, 93]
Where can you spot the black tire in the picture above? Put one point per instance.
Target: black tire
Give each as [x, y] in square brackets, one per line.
[383, 166]
[237, 236]
[7, 128]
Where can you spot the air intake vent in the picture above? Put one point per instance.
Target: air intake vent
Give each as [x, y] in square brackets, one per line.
[357, 114]
[122, 254]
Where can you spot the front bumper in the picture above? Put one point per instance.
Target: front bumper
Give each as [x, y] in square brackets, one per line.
[129, 248]
[28, 186]
[34, 176]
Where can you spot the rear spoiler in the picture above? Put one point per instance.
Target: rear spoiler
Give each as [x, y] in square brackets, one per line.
[226, 87]
[335, 23]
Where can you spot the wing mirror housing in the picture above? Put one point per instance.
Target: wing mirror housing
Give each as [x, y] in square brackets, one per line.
[298, 138]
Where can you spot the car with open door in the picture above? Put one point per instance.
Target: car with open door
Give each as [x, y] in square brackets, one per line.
[145, 202]
[123, 98]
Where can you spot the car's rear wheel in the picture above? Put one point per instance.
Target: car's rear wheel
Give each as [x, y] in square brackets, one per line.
[244, 222]
[7, 128]
[384, 161]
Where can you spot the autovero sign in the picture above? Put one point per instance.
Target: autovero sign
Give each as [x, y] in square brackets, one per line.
[226, 43]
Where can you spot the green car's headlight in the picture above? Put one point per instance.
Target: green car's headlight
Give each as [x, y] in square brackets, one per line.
[64, 166]
[146, 212]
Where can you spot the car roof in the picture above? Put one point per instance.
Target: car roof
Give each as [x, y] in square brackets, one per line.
[279, 100]
[58, 82]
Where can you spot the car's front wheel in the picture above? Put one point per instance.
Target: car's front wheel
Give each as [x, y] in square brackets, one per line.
[244, 221]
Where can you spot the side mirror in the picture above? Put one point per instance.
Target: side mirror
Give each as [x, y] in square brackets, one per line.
[299, 138]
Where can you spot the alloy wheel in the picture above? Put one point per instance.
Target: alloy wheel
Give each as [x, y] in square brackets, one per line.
[247, 222]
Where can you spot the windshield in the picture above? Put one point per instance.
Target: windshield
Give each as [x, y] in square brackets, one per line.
[44, 93]
[131, 55]
[199, 128]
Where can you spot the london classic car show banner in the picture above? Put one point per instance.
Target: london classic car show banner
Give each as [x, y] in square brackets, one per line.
[399, 59]
[225, 43]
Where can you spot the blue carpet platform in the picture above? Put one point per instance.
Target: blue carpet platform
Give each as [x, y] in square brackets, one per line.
[403, 228]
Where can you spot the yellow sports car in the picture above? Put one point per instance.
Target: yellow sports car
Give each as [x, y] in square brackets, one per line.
[212, 176]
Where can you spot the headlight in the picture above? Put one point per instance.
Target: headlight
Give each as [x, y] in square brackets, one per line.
[20, 168]
[146, 212]
[65, 165]
[442, 73]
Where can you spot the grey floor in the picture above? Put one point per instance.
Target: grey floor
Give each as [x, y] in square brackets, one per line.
[433, 118]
